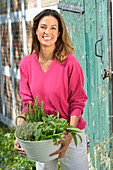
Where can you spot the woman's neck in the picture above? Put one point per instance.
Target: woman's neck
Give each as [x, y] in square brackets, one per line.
[46, 53]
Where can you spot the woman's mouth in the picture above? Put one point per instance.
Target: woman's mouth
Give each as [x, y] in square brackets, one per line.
[47, 38]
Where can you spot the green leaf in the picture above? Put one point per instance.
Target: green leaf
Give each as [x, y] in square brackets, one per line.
[53, 135]
[58, 115]
[38, 134]
[74, 129]
[43, 119]
[79, 137]
[75, 138]
[47, 128]
[55, 140]
[38, 124]
[53, 123]
[60, 137]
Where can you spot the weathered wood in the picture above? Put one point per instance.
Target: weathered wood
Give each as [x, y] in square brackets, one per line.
[92, 72]
[24, 27]
[76, 29]
[84, 31]
[1, 81]
[12, 59]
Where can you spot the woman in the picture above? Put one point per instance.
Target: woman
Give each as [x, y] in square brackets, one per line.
[53, 74]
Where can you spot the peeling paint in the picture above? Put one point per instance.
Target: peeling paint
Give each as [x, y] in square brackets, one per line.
[85, 31]
[92, 104]
[92, 82]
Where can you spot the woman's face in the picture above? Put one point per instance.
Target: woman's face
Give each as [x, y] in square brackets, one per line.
[47, 31]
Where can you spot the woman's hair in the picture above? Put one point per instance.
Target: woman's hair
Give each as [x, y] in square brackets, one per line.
[63, 43]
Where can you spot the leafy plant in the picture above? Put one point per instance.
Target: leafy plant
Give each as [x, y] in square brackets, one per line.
[10, 159]
[39, 126]
[35, 112]
[26, 131]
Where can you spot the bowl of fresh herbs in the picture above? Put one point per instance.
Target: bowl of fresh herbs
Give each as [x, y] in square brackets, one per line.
[39, 132]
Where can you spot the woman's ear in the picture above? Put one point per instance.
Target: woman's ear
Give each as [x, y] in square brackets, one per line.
[37, 32]
[58, 34]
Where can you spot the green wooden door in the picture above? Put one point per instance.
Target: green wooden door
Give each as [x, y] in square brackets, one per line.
[85, 29]
[75, 23]
[96, 25]
[98, 89]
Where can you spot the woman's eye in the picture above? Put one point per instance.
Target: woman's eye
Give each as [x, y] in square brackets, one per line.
[42, 27]
[53, 28]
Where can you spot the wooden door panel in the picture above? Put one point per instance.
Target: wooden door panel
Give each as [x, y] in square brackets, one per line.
[84, 30]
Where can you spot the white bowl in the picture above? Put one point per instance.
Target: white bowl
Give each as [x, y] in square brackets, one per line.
[39, 151]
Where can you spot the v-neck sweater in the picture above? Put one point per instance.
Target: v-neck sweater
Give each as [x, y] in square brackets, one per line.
[61, 87]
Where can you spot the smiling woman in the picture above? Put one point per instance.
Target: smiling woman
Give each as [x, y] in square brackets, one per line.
[53, 74]
[63, 43]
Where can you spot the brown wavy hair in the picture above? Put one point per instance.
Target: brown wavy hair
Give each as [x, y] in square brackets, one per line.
[63, 43]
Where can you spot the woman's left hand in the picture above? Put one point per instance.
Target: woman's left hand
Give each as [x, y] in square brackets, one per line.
[64, 146]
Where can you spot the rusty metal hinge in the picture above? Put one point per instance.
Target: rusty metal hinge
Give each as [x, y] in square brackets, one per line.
[106, 74]
[71, 8]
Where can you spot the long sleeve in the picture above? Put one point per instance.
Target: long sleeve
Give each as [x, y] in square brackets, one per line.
[25, 92]
[77, 95]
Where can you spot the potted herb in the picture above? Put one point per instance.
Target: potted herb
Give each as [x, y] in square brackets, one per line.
[37, 133]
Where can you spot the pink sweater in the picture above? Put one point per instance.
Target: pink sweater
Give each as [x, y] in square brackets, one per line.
[61, 87]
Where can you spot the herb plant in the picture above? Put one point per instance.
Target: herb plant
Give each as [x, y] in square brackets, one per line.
[39, 126]
[11, 159]
[35, 111]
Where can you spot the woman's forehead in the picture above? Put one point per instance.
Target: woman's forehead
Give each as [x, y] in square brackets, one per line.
[49, 19]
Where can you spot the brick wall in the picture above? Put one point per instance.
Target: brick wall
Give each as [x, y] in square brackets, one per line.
[3, 6]
[18, 52]
[30, 4]
[29, 36]
[15, 5]
[18, 99]
[17, 43]
[7, 82]
[16, 49]
[5, 50]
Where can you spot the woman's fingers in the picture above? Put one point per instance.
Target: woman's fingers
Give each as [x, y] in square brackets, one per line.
[64, 146]
[61, 155]
[18, 148]
[57, 152]
[23, 153]
[60, 150]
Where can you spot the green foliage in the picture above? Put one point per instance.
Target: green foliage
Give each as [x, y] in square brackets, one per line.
[35, 112]
[10, 159]
[39, 126]
[26, 131]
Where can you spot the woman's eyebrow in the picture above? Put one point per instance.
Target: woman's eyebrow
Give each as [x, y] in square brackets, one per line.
[51, 25]
[54, 25]
[43, 24]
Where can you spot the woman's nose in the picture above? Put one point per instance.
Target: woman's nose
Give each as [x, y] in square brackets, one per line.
[47, 31]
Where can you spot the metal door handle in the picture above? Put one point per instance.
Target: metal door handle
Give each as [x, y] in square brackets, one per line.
[96, 47]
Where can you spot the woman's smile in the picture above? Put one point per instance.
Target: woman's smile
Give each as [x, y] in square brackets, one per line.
[47, 38]
[47, 31]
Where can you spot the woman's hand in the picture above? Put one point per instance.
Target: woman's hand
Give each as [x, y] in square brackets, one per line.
[18, 148]
[64, 146]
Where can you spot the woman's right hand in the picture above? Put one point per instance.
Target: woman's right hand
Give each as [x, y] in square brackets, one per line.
[18, 148]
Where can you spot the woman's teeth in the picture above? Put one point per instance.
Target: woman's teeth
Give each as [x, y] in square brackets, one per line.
[47, 38]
